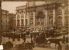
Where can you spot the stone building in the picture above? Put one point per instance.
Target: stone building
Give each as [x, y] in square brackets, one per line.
[42, 15]
[5, 20]
[8, 21]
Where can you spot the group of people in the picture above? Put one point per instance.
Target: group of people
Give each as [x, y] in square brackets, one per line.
[41, 38]
[15, 35]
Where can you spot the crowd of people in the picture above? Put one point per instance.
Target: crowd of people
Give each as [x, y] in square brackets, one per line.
[24, 32]
[14, 36]
[40, 38]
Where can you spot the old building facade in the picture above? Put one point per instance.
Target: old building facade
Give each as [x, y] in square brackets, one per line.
[44, 15]
[5, 20]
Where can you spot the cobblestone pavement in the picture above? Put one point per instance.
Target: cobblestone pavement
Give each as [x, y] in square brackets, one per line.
[16, 42]
[36, 48]
[40, 48]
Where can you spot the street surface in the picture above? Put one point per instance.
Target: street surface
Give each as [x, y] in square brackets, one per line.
[35, 48]
[16, 42]
[40, 48]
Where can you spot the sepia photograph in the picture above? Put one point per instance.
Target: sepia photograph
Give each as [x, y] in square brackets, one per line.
[34, 25]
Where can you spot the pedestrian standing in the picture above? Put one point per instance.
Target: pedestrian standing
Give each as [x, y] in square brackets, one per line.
[18, 36]
[59, 46]
[13, 37]
[63, 40]
[32, 43]
[48, 43]
[67, 47]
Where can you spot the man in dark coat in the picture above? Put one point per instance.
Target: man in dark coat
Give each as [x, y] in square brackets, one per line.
[23, 36]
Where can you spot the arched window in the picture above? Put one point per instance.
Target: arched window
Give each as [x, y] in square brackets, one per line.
[18, 21]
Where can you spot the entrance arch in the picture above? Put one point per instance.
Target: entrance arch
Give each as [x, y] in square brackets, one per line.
[40, 19]
[40, 14]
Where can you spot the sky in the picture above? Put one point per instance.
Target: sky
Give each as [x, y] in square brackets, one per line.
[11, 6]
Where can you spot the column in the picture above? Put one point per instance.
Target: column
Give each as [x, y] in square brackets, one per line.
[63, 18]
[28, 18]
[16, 20]
[24, 19]
[46, 19]
[33, 19]
[20, 19]
[53, 16]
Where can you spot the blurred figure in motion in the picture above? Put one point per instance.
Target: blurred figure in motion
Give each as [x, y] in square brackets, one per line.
[59, 46]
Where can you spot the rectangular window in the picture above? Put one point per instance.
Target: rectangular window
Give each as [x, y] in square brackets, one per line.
[26, 22]
[22, 22]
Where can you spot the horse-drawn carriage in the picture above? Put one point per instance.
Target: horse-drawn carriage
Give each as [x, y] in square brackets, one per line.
[39, 38]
